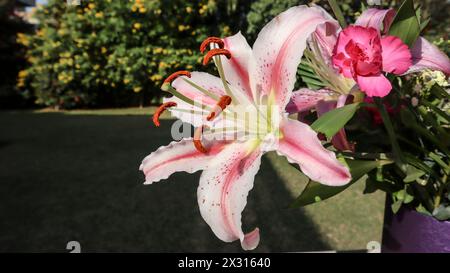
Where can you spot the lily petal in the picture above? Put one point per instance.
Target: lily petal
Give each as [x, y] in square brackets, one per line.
[396, 55]
[179, 156]
[427, 56]
[222, 193]
[305, 99]
[279, 48]
[380, 19]
[326, 36]
[300, 145]
[195, 114]
[236, 68]
[374, 86]
[207, 81]
[186, 112]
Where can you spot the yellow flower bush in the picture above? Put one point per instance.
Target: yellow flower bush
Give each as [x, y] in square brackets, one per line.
[100, 49]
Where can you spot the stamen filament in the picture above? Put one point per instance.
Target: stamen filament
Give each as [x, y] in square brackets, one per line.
[201, 89]
[218, 62]
[173, 91]
[190, 111]
[228, 91]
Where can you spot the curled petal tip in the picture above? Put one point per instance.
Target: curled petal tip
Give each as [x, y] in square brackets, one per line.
[147, 182]
[209, 41]
[215, 52]
[251, 240]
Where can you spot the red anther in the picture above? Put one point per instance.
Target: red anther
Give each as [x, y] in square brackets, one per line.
[211, 116]
[223, 102]
[215, 52]
[209, 41]
[197, 140]
[177, 74]
[160, 110]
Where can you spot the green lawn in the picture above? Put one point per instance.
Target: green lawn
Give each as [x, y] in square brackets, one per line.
[74, 176]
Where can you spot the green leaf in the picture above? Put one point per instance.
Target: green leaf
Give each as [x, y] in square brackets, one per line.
[404, 196]
[424, 23]
[396, 206]
[315, 192]
[442, 213]
[371, 186]
[312, 81]
[305, 67]
[436, 110]
[412, 174]
[309, 77]
[423, 210]
[409, 120]
[338, 13]
[331, 122]
[406, 24]
[419, 164]
[439, 92]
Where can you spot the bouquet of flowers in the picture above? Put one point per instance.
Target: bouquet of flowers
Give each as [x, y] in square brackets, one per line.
[368, 113]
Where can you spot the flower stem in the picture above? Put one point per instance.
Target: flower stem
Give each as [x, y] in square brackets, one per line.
[437, 199]
[390, 130]
[338, 13]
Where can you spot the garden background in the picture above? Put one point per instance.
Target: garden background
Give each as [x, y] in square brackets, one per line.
[79, 84]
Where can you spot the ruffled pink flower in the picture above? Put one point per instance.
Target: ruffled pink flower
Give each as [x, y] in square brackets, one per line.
[362, 54]
[424, 56]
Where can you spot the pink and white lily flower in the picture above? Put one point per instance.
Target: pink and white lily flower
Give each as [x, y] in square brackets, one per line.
[261, 79]
[356, 59]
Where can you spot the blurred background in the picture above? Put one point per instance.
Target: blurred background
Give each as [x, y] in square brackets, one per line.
[79, 82]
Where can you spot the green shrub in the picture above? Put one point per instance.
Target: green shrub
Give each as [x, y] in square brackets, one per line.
[117, 53]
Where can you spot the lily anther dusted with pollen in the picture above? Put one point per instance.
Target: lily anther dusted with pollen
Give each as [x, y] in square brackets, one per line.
[246, 104]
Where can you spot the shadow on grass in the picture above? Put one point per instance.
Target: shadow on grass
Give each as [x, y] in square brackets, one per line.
[65, 178]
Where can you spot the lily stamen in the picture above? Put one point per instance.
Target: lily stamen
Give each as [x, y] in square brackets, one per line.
[197, 140]
[168, 88]
[215, 52]
[160, 110]
[220, 106]
[175, 75]
[211, 40]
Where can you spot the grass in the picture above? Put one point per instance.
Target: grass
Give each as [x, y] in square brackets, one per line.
[74, 176]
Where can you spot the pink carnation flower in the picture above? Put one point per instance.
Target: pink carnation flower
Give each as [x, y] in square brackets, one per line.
[363, 55]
